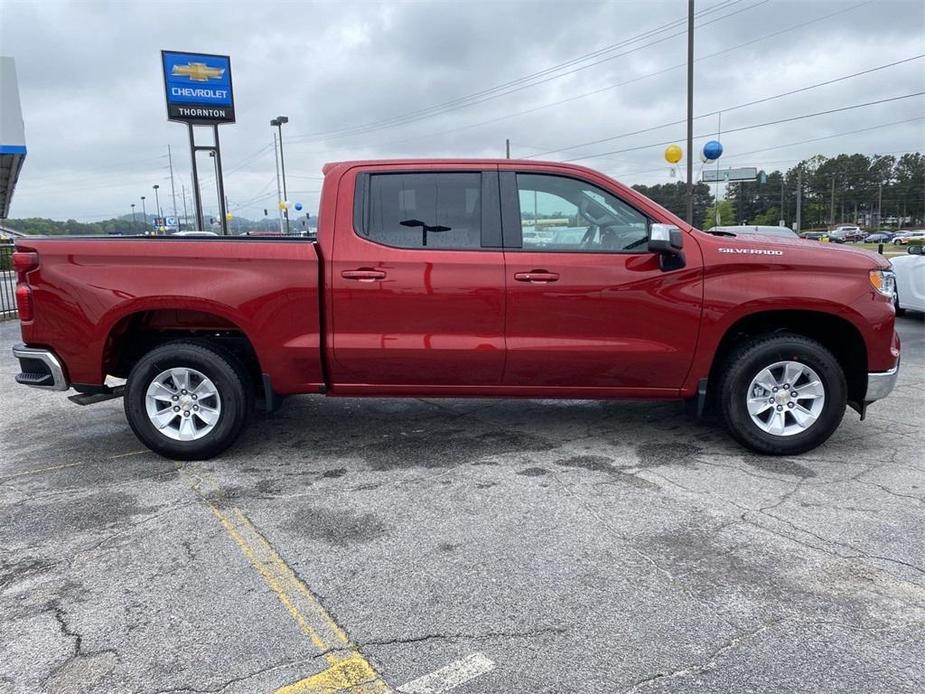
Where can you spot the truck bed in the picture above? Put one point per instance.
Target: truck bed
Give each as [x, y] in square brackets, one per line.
[95, 296]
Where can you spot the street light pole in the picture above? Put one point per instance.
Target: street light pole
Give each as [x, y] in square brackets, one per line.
[279, 211]
[157, 200]
[133, 218]
[144, 216]
[278, 123]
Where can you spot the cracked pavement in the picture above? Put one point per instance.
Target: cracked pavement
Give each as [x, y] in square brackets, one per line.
[581, 546]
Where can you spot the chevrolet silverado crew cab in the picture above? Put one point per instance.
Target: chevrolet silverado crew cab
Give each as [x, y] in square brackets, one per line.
[445, 278]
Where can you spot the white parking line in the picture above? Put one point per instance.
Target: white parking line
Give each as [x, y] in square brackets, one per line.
[450, 676]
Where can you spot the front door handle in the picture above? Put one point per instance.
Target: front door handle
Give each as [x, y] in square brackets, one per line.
[363, 275]
[537, 276]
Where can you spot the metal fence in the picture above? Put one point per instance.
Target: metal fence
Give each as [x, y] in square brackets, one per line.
[8, 309]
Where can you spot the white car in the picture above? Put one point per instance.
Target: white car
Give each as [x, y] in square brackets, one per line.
[910, 280]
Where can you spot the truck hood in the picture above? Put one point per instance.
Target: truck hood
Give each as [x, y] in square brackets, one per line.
[803, 249]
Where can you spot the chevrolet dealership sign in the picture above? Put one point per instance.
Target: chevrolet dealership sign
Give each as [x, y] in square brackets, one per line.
[198, 87]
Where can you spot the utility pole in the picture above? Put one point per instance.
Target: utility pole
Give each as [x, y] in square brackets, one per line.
[879, 204]
[133, 218]
[507, 148]
[783, 217]
[690, 112]
[279, 198]
[799, 198]
[832, 203]
[144, 216]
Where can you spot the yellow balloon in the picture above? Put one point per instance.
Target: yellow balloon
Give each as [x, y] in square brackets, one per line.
[673, 154]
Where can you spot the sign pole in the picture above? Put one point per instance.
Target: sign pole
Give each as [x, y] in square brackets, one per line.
[197, 198]
[221, 183]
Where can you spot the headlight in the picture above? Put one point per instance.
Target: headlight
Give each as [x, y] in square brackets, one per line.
[884, 282]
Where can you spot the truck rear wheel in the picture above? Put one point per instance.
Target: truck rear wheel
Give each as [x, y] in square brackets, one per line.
[782, 394]
[187, 401]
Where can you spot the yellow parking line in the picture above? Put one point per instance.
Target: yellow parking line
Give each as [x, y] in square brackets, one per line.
[40, 470]
[347, 668]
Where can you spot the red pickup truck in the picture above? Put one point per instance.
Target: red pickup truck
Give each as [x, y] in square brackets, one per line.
[457, 278]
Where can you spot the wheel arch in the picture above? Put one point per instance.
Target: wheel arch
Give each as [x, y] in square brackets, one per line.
[836, 333]
[137, 332]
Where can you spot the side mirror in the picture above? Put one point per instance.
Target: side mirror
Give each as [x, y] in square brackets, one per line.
[915, 250]
[665, 238]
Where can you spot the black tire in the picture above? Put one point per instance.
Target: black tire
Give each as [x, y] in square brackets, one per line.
[221, 367]
[748, 359]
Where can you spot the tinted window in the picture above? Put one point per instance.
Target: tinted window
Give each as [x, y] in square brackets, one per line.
[425, 210]
[565, 214]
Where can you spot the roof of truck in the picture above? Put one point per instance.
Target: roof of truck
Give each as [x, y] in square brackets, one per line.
[437, 162]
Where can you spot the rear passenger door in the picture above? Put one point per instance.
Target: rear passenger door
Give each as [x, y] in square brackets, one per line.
[418, 280]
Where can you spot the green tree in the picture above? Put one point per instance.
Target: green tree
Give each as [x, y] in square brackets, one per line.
[673, 197]
[727, 214]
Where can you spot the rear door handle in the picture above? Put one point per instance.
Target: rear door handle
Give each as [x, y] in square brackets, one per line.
[536, 276]
[363, 275]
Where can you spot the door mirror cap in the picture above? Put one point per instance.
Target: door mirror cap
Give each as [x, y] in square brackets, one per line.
[915, 249]
[665, 238]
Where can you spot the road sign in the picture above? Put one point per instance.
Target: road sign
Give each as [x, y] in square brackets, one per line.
[198, 87]
[171, 223]
[748, 173]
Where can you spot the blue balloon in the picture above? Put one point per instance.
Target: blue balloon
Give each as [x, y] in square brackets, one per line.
[298, 206]
[712, 150]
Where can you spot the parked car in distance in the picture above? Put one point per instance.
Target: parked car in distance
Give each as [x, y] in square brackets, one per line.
[879, 237]
[847, 233]
[910, 280]
[425, 284]
[764, 230]
[907, 237]
[813, 235]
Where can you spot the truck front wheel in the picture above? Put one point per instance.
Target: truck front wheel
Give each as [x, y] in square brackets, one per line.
[782, 394]
[187, 401]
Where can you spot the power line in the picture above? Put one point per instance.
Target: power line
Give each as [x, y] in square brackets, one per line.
[478, 98]
[756, 125]
[731, 108]
[639, 78]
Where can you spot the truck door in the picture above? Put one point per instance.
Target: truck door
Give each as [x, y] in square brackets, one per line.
[587, 304]
[418, 280]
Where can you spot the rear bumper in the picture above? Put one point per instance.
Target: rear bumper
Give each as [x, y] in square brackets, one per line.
[39, 368]
[881, 383]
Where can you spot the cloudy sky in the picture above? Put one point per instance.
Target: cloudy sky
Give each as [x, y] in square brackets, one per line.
[564, 80]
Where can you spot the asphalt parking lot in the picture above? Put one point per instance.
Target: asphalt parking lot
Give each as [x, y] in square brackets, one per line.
[464, 546]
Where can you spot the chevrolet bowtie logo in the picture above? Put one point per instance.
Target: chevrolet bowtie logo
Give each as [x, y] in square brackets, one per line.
[198, 72]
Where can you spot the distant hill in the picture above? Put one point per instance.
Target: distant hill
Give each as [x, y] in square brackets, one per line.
[118, 225]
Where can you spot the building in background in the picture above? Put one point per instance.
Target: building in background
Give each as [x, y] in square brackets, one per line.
[12, 134]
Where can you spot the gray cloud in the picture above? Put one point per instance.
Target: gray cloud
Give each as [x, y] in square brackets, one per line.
[97, 132]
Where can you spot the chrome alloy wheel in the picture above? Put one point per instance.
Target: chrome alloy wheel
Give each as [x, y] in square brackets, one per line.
[183, 404]
[786, 398]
